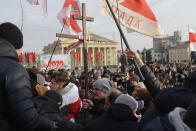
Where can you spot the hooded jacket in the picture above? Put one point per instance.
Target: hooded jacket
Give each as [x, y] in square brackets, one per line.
[17, 111]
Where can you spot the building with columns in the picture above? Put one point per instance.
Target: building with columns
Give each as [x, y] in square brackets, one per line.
[99, 53]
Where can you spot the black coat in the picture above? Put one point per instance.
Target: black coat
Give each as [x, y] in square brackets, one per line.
[117, 118]
[97, 109]
[49, 108]
[17, 111]
[151, 82]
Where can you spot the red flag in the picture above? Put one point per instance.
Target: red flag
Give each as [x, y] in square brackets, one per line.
[65, 16]
[135, 15]
[192, 40]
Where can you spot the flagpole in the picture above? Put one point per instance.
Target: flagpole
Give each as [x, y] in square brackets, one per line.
[124, 39]
[190, 50]
[119, 24]
[55, 47]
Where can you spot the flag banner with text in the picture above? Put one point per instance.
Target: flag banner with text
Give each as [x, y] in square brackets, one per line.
[135, 15]
[57, 62]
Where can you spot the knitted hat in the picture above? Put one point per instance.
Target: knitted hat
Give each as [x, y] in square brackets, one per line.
[136, 78]
[54, 95]
[127, 100]
[11, 33]
[190, 117]
[103, 84]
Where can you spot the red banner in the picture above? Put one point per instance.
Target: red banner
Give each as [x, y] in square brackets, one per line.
[98, 56]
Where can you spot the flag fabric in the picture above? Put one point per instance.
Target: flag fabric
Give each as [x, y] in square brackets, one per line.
[71, 98]
[42, 4]
[192, 40]
[43, 7]
[33, 2]
[72, 46]
[136, 15]
[65, 16]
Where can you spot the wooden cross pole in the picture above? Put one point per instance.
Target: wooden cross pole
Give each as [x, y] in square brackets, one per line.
[84, 18]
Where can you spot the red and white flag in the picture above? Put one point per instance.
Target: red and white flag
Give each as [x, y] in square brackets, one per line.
[72, 46]
[43, 5]
[135, 15]
[65, 16]
[192, 40]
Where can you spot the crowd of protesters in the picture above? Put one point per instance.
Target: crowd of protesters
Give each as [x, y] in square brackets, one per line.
[33, 100]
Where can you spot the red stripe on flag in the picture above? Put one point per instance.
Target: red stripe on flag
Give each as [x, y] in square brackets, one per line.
[192, 37]
[73, 45]
[139, 6]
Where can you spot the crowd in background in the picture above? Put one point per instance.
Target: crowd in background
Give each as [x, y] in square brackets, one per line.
[57, 100]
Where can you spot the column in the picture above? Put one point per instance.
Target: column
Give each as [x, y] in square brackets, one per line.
[88, 51]
[110, 56]
[81, 56]
[98, 56]
[93, 56]
[62, 50]
[105, 56]
[115, 56]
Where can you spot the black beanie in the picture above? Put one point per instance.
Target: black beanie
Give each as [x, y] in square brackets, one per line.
[11, 33]
[190, 117]
[54, 95]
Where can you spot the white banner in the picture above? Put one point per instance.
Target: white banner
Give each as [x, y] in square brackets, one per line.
[135, 15]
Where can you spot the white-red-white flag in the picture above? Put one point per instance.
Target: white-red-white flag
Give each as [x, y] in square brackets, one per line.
[65, 16]
[42, 4]
[73, 46]
[192, 40]
[136, 15]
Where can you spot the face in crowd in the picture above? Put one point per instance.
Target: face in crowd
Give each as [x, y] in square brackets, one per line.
[133, 82]
[98, 94]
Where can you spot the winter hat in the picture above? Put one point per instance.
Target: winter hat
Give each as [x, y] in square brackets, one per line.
[127, 100]
[11, 33]
[136, 78]
[54, 95]
[190, 117]
[40, 79]
[103, 84]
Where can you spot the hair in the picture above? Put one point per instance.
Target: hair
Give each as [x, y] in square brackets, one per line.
[143, 94]
[113, 94]
[61, 77]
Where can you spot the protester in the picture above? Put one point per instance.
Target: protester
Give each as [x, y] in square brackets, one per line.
[100, 89]
[132, 83]
[69, 91]
[17, 111]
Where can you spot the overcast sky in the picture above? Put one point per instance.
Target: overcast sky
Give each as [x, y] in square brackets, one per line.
[39, 31]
